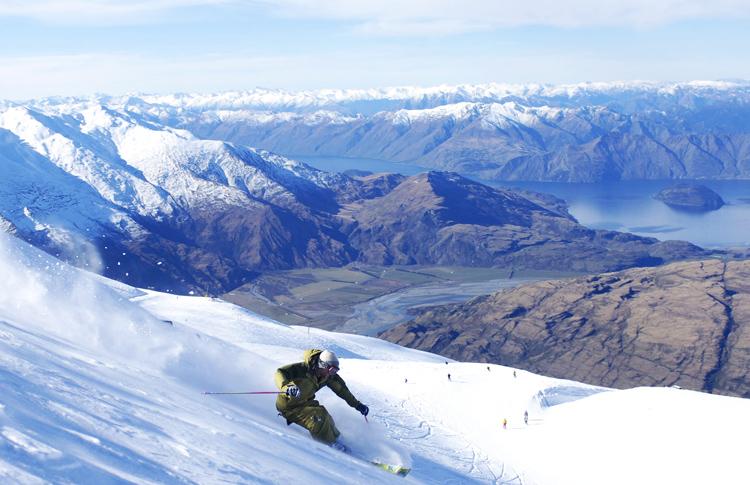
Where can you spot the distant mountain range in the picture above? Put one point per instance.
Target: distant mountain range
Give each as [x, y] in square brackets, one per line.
[112, 189]
[579, 133]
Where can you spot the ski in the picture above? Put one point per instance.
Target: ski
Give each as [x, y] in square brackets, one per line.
[395, 469]
[399, 470]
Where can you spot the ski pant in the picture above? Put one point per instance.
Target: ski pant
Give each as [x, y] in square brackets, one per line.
[316, 420]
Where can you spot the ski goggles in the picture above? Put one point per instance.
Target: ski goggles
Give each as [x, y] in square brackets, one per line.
[330, 369]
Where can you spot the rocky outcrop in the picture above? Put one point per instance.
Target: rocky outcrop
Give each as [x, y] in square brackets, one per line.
[689, 197]
[685, 324]
[7, 226]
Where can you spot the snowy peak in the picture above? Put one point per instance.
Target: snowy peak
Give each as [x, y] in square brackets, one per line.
[579, 133]
[93, 160]
[152, 169]
[369, 101]
[153, 197]
[490, 131]
[43, 201]
[278, 100]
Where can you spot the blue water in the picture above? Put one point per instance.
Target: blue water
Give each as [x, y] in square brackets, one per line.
[620, 206]
[629, 206]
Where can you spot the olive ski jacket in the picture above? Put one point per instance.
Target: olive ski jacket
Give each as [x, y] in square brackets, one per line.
[302, 374]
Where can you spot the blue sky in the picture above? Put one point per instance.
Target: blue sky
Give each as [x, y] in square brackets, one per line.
[73, 47]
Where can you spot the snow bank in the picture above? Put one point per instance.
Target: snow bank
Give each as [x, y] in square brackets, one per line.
[93, 372]
[99, 387]
[39, 291]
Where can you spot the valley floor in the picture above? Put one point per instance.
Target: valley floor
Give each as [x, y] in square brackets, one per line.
[367, 299]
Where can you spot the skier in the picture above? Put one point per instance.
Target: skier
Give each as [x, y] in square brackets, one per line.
[514, 373]
[526, 417]
[505, 423]
[449, 376]
[300, 382]
[488, 368]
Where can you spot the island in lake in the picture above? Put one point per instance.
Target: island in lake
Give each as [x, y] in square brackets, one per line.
[690, 197]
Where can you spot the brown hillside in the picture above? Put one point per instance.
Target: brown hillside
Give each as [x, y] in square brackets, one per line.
[685, 324]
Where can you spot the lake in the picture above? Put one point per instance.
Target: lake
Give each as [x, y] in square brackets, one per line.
[629, 206]
[619, 206]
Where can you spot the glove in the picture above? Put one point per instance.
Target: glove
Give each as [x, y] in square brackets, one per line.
[362, 409]
[293, 391]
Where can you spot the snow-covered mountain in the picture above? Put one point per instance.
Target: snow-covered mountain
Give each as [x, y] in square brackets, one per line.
[102, 382]
[583, 132]
[128, 161]
[156, 206]
[151, 199]
[370, 101]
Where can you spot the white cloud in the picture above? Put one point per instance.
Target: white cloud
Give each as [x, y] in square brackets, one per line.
[450, 16]
[120, 73]
[102, 11]
[117, 73]
[400, 17]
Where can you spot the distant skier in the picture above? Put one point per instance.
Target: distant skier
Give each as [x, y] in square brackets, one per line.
[449, 376]
[505, 423]
[406, 380]
[514, 373]
[526, 417]
[488, 368]
[300, 382]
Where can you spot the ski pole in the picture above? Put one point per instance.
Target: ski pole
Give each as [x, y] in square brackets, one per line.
[256, 392]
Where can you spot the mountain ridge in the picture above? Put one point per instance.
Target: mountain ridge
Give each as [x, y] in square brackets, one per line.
[165, 206]
[587, 132]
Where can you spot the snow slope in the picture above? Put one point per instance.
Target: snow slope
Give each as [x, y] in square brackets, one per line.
[98, 388]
